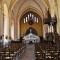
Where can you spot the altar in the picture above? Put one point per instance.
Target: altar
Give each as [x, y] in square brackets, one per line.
[31, 38]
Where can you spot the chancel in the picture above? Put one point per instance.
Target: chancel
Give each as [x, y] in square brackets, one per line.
[29, 29]
[31, 38]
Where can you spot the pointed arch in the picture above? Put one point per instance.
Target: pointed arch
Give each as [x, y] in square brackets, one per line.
[33, 31]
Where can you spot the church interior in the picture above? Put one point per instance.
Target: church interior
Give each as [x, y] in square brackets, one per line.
[29, 29]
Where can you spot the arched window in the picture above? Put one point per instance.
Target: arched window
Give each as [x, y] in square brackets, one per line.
[24, 20]
[30, 16]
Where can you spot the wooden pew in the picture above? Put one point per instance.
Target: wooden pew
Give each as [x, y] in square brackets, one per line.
[46, 52]
[11, 51]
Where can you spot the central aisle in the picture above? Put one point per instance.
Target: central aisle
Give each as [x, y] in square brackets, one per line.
[29, 54]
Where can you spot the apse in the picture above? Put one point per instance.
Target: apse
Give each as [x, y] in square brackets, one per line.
[31, 20]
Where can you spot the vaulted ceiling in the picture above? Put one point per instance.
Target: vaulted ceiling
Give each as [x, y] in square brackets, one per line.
[20, 7]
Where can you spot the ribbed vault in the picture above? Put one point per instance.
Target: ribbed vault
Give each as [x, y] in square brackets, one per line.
[18, 7]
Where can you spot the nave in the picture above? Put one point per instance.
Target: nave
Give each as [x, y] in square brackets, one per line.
[36, 22]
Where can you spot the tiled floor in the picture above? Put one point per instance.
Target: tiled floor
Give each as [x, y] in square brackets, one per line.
[29, 54]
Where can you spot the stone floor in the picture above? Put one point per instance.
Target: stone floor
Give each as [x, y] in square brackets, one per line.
[29, 54]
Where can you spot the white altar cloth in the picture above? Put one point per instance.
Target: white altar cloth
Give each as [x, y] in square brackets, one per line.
[31, 37]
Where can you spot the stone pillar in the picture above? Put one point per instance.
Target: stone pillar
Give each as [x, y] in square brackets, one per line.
[6, 24]
[45, 26]
[15, 30]
[45, 29]
[58, 13]
[18, 30]
[1, 23]
[9, 25]
[52, 8]
[12, 29]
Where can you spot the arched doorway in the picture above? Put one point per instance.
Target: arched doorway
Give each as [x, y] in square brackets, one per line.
[32, 30]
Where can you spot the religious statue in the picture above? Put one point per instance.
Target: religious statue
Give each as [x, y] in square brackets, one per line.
[30, 30]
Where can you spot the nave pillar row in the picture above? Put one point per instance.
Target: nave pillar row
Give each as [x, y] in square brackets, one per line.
[7, 30]
[1, 23]
[19, 30]
[15, 30]
[45, 29]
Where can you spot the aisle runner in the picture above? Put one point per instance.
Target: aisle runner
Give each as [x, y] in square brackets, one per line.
[29, 54]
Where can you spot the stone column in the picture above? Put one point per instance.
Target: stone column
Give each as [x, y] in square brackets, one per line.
[45, 29]
[10, 25]
[15, 30]
[45, 26]
[18, 30]
[6, 24]
[1, 23]
[12, 29]
[58, 19]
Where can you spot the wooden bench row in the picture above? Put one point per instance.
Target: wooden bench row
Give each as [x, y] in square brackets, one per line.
[46, 52]
[11, 51]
